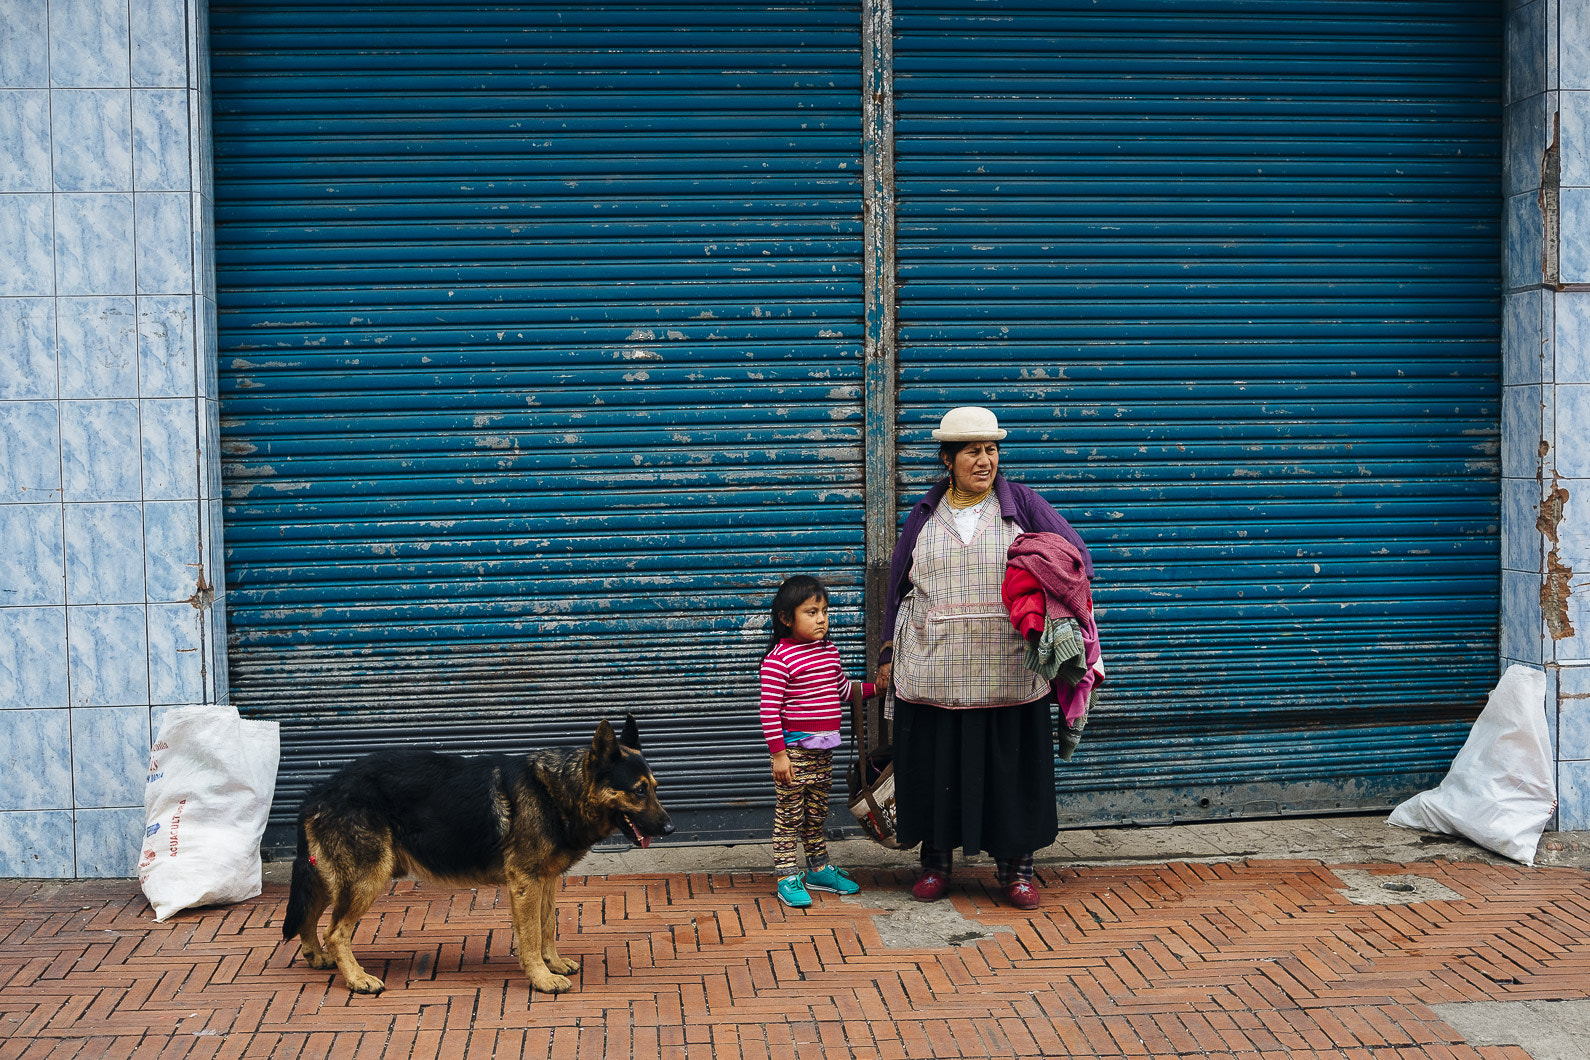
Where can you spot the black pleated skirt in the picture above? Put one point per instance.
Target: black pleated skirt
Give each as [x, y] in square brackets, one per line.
[978, 779]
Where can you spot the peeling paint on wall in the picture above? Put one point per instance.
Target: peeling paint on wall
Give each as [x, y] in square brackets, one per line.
[1557, 585]
[203, 593]
[1549, 198]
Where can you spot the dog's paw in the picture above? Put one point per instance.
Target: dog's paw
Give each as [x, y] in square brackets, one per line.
[318, 961]
[365, 983]
[563, 965]
[551, 984]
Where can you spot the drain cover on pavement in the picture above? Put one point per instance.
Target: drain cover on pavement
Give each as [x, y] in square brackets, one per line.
[1375, 888]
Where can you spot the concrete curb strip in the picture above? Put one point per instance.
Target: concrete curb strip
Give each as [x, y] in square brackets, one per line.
[1331, 840]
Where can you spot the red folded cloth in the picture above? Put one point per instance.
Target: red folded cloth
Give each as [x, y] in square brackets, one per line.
[1024, 600]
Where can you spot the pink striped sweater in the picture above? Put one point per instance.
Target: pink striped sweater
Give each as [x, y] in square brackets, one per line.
[803, 687]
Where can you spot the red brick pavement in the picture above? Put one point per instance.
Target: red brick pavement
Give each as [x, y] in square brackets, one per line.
[1245, 961]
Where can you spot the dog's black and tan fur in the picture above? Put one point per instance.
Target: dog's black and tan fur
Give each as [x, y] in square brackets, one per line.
[494, 819]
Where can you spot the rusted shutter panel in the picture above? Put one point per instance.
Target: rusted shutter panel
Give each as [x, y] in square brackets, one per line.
[1229, 273]
[540, 337]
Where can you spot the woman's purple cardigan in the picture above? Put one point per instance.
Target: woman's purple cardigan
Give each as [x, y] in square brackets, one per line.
[1021, 503]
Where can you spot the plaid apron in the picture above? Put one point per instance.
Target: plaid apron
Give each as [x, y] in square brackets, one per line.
[954, 645]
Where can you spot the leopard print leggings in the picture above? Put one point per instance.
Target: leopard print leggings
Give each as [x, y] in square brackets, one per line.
[801, 810]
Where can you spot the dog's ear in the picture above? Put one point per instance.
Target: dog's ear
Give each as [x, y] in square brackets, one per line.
[630, 737]
[604, 745]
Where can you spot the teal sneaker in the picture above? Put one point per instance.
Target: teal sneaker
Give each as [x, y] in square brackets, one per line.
[832, 878]
[792, 892]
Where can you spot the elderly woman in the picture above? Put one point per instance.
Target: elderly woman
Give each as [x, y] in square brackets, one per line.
[974, 746]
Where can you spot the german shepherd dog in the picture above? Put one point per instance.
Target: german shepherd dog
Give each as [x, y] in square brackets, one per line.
[493, 819]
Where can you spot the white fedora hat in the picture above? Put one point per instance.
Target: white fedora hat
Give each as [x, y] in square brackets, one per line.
[969, 423]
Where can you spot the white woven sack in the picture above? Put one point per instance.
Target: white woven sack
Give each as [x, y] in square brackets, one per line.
[211, 778]
[1501, 790]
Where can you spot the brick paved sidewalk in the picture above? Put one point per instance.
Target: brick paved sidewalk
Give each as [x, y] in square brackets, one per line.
[1243, 961]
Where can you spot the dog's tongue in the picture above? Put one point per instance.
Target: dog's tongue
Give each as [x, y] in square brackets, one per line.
[645, 841]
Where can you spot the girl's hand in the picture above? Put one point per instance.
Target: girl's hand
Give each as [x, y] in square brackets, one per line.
[783, 772]
[885, 676]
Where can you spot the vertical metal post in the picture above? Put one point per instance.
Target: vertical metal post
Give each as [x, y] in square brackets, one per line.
[877, 131]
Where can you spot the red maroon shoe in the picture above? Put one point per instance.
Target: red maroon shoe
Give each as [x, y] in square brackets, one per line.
[1021, 894]
[930, 886]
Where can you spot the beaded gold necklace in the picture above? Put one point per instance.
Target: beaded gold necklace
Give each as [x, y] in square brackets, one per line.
[960, 499]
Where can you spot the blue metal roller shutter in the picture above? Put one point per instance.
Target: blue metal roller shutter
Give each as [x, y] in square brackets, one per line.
[1229, 272]
[540, 337]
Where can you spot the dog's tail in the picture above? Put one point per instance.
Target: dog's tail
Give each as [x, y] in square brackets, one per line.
[304, 884]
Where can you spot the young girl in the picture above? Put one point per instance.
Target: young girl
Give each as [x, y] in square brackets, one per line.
[803, 686]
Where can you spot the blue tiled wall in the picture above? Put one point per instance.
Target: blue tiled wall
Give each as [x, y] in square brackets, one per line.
[109, 516]
[1546, 374]
[1526, 329]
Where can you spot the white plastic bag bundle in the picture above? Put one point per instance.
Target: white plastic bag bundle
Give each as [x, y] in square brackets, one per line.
[211, 778]
[1501, 790]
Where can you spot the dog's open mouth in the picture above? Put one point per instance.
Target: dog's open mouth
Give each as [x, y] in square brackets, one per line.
[633, 832]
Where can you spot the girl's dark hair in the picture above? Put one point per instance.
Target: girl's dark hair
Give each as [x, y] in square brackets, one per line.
[796, 590]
